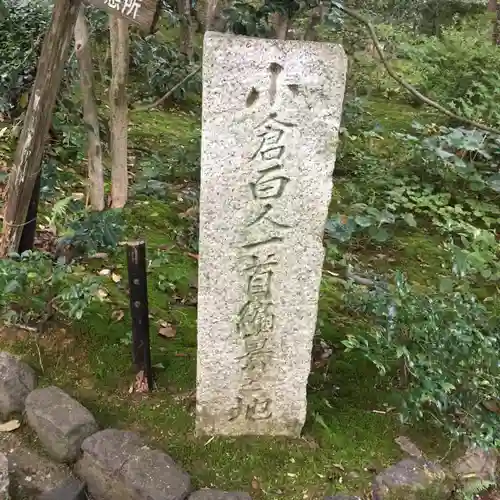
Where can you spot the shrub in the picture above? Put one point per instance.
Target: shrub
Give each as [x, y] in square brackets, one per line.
[446, 342]
[21, 30]
[461, 70]
[160, 66]
[32, 287]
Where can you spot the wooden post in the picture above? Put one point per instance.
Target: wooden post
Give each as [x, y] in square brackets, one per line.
[139, 310]
[29, 230]
[28, 156]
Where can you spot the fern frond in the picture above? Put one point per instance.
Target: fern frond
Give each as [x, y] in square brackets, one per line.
[474, 488]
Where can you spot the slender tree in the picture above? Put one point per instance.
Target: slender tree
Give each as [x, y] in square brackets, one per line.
[119, 38]
[186, 28]
[494, 8]
[31, 145]
[90, 116]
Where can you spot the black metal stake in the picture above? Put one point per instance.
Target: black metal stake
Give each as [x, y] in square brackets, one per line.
[27, 240]
[141, 354]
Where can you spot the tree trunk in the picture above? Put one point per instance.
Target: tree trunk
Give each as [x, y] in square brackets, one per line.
[315, 18]
[494, 8]
[212, 11]
[30, 148]
[118, 29]
[186, 28]
[280, 23]
[90, 116]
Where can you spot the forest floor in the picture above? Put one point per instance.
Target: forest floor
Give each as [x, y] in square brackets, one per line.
[351, 426]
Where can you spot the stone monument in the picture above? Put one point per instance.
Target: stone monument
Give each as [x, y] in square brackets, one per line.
[271, 116]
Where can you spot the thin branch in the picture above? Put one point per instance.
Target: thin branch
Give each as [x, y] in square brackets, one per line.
[168, 94]
[371, 30]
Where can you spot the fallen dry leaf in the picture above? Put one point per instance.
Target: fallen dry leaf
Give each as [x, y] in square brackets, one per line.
[117, 315]
[104, 272]
[100, 255]
[116, 278]
[10, 426]
[167, 330]
[141, 382]
[102, 294]
[255, 484]
[190, 212]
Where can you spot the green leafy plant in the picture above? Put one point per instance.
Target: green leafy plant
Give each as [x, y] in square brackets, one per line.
[95, 231]
[33, 287]
[460, 69]
[161, 66]
[156, 172]
[21, 30]
[368, 220]
[445, 345]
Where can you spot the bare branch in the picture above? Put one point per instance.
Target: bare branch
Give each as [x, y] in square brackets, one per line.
[168, 94]
[371, 30]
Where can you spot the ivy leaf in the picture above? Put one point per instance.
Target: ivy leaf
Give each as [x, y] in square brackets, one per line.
[446, 285]
[12, 287]
[410, 219]
[379, 234]
[363, 221]
[494, 182]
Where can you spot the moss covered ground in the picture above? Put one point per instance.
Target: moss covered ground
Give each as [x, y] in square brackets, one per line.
[350, 429]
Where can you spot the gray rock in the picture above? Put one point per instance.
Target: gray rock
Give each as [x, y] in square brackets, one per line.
[17, 380]
[30, 473]
[271, 115]
[4, 477]
[71, 489]
[60, 422]
[408, 478]
[117, 465]
[477, 464]
[219, 495]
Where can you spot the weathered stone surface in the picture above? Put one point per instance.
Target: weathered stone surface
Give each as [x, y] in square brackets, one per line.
[477, 464]
[4, 477]
[30, 473]
[60, 422]
[271, 114]
[116, 465]
[408, 478]
[17, 380]
[71, 489]
[208, 494]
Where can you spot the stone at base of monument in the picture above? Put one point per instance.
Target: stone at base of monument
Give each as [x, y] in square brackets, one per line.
[60, 422]
[117, 465]
[219, 495]
[31, 474]
[412, 479]
[4, 477]
[71, 489]
[271, 116]
[17, 380]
